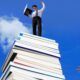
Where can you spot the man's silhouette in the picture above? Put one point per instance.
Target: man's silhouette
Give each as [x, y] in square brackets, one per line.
[36, 19]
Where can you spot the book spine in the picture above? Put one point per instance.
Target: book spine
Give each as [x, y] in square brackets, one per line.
[36, 69]
[33, 74]
[20, 45]
[26, 39]
[36, 55]
[37, 61]
[38, 45]
[38, 38]
[54, 70]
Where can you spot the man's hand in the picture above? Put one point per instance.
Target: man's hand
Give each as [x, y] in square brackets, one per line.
[43, 6]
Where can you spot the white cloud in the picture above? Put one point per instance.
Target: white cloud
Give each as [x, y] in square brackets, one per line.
[10, 27]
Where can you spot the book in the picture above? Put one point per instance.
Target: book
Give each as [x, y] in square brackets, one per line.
[38, 38]
[35, 44]
[36, 55]
[36, 69]
[31, 64]
[31, 40]
[38, 49]
[30, 78]
[15, 68]
[27, 12]
[26, 70]
[37, 61]
[17, 76]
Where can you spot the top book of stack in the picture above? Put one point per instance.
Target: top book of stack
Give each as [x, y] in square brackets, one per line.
[36, 43]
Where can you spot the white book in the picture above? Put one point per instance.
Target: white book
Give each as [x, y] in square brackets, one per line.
[33, 74]
[35, 37]
[19, 70]
[36, 55]
[21, 45]
[28, 68]
[37, 66]
[25, 78]
[38, 46]
[36, 69]
[38, 42]
[37, 61]
[17, 76]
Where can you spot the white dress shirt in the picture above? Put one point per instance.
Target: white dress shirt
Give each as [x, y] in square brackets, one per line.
[40, 12]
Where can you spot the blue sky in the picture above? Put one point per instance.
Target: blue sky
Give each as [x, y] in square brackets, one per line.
[61, 21]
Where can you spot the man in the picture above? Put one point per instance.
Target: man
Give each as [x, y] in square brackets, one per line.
[36, 19]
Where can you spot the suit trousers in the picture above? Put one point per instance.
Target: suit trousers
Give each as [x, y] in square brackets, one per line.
[37, 26]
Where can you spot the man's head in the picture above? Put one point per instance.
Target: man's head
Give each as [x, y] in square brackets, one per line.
[34, 7]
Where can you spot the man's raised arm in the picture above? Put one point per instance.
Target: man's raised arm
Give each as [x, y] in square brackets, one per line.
[43, 6]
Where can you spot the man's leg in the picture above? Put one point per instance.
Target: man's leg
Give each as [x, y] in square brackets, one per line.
[34, 24]
[39, 27]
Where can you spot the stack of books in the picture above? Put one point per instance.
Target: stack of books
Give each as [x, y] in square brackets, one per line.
[33, 58]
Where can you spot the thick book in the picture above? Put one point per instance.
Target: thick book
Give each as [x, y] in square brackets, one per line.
[38, 49]
[36, 55]
[46, 46]
[45, 68]
[38, 46]
[38, 42]
[17, 76]
[37, 62]
[35, 70]
[35, 37]
[36, 75]
[15, 68]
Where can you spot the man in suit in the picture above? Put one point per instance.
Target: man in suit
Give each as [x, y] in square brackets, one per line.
[37, 19]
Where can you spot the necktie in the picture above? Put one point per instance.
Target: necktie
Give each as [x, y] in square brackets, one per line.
[37, 13]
